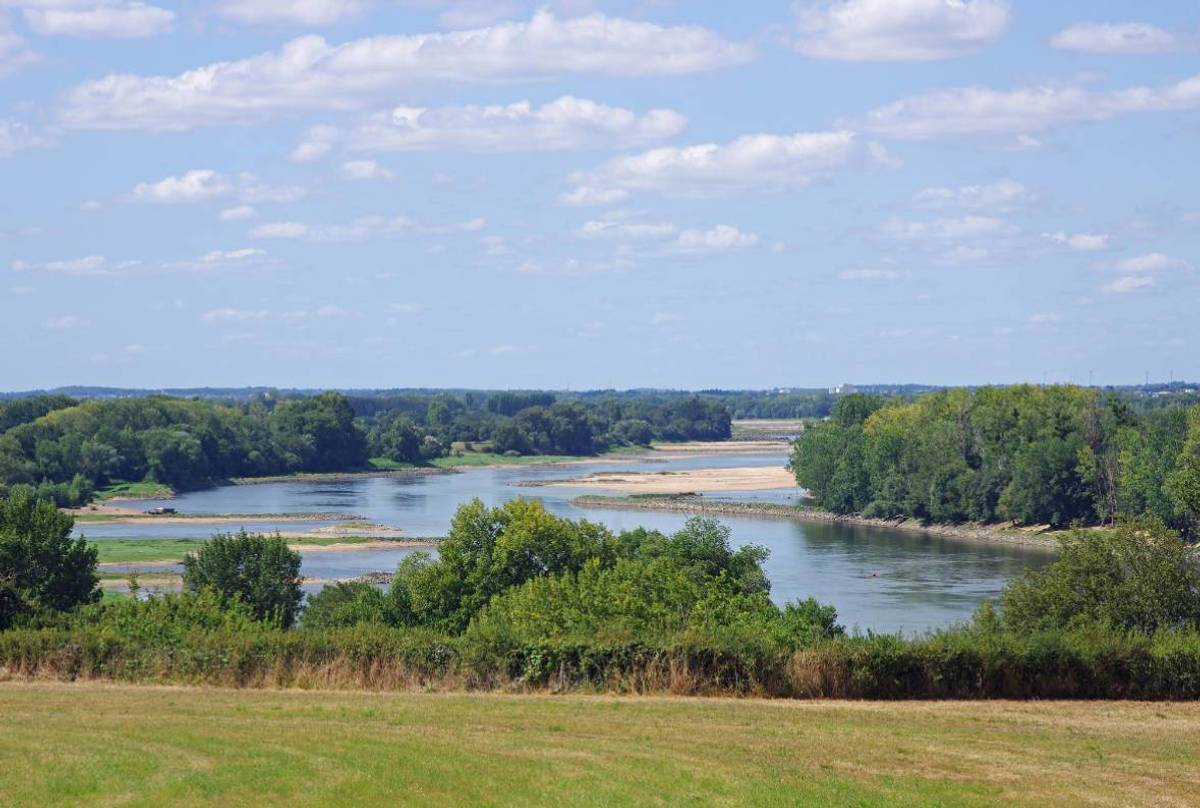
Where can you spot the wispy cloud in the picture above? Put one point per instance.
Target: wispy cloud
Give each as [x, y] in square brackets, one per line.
[898, 30]
[309, 73]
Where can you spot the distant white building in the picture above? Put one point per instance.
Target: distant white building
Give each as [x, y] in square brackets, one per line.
[843, 389]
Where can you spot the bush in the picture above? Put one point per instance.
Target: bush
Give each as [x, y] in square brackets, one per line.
[348, 603]
[260, 571]
[1140, 576]
[42, 569]
[167, 619]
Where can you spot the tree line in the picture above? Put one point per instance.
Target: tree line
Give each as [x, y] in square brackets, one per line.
[1057, 455]
[414, 428]
[66, 449]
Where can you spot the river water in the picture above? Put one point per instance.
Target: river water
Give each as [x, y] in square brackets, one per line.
[879, 579]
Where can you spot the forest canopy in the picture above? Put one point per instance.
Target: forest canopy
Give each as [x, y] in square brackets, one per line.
[65, 449]
[1036, 455]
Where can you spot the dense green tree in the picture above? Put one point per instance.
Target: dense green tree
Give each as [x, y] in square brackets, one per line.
[1183, 484]
[1032, 454]
[487, 551]
[259, 571]
[1047, 485]
[42, 569]
[320, 433]
[1139, 575]
[347, 603]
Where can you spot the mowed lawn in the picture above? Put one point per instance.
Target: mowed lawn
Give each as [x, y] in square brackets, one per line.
[118, 745]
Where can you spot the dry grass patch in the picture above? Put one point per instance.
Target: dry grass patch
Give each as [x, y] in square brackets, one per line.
[73, 744]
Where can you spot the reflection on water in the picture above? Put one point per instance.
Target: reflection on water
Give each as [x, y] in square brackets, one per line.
[884, 580]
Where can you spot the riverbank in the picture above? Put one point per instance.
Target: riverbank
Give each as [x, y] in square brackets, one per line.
[122, 552]
[338, 476]
[1039, 537]
[118, 515]
[221, 747]
[158, 582]
[717, 480]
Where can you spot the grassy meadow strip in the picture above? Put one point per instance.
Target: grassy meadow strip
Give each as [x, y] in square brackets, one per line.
[158, 746]
[121, 551]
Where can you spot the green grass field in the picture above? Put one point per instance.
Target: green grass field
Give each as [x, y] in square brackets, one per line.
[471, 459]
[117, 745]
[118, 551]
[142, 490]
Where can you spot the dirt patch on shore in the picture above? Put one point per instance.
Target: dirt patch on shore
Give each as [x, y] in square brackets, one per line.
[118, 515]
[755, 478]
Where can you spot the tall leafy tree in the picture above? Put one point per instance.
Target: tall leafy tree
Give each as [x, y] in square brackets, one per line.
[42, 569]
[259, 571]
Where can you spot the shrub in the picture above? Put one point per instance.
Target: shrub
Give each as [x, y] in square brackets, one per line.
[42, 569]
[260, 571]
[1140, 575]
[347, 603]
[168, 618]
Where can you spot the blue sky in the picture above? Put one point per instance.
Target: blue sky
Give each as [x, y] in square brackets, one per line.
[380, 193]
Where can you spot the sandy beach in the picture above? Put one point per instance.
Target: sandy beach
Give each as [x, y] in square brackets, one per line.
[698, 481]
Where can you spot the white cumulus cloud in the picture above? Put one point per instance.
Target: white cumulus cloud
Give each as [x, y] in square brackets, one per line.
[309, 73]
[290, 12]
[898, 30]
[88, 266]
[625, 231]
[586, 196]
[978, 111]
[205, 184]
[1126, 38]
[15, 137]
[1081, 242]
[565, 123]
[1151, 262]
[14, 54]
[238, 213]
[1129, 283]
[197, 185]
[362, 170]
[93, 19]
[1001, 195]
[766, 162]
[960, 227]
[361, 229]
[722, 238]
[231, 314]
[317, 142]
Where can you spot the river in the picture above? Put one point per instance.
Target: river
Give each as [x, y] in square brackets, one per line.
[879, 579]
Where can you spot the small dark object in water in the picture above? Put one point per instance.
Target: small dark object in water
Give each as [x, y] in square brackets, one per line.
[160, 511]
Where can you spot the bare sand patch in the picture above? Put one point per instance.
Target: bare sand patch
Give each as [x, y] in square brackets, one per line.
[695, 447]
[698, 481]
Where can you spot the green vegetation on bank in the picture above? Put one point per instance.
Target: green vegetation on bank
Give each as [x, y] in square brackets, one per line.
[127, 551]
[486, 428]
[519, 598]
[67, 451]
[1034, 455]
[212, 747]
[180, 443]
[477, 459]
[140, 490]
